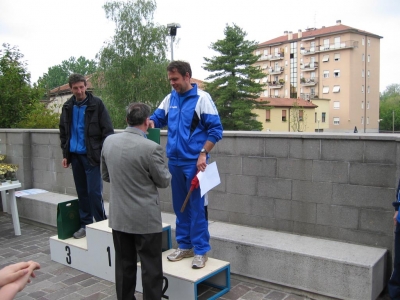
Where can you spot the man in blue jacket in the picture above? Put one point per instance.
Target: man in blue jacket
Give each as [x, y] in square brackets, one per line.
[84, 125]
[194, 127]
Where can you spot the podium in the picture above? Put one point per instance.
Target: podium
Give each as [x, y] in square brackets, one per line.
[95, 255]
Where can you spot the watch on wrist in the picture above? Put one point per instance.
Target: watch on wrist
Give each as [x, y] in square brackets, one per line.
[204, 151]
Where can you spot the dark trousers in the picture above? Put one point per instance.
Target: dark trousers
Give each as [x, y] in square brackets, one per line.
[148, 247]
[89, 187]
[394, 281]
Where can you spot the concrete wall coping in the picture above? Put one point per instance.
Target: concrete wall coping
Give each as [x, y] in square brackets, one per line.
[262, 134]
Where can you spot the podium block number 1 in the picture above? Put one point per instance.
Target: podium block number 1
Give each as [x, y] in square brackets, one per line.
[109, 256]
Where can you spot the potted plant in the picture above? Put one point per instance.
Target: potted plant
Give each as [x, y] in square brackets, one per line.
[281, 81]
[302, 80]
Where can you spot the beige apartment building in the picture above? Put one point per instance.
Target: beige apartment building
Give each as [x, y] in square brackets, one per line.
[337, 63]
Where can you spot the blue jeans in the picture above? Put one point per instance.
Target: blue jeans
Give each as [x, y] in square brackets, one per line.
[394, 281]
[191, 225]
[89, 187]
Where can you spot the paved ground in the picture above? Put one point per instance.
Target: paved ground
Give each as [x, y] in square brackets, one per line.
[55, 281]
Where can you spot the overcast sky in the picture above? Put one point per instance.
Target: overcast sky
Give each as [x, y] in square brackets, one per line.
[48, 32]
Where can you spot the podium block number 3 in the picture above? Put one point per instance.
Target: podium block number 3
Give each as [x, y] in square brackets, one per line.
[68, 258]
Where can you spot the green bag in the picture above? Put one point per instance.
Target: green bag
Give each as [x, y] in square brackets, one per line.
[68, 220]
[154, 134]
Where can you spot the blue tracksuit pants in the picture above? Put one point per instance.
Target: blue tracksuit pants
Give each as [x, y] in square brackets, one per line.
[191, 225]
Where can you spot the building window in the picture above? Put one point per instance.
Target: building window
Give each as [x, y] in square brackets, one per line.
[363, 41]
[362, 89]
[257, 80]
[336, 105]
[362, 73]
[267, 115]
[363, 57]
[257, 53]
[336, 73]
[283, 115]
[326, 44]
[285, 77]
[369, 58]
[276, 94]
[286, 63]
[265, 52]
[367, 120]
[286, 93]
[336, 121]
[367, 104]
[362, 105]
[362, 120]
[337, 42]
[266, 93]
[336, 89]
[325, 90]
[265, 79]
[323, 117]
[301, 115]
[369, 42]
[337, 56]
[368, 73]
[325, 58]
[326, 74]
[368, 89]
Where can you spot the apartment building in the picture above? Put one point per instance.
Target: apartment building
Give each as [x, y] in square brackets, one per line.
[337, 63]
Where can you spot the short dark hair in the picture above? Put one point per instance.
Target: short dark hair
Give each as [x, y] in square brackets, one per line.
[182, 67]
[74, 78]
[137, 113]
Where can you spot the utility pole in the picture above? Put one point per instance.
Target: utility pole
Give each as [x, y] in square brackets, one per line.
[172, 33]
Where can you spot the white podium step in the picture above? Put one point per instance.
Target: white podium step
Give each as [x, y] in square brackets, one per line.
[183, 281]
[94, 254]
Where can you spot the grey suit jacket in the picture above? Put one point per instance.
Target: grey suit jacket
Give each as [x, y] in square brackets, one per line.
[135, 167]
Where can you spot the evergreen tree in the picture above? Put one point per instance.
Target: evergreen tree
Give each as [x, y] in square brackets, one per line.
[233, 86]
[133, 66]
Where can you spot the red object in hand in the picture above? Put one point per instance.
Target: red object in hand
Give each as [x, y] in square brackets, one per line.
[194, 184]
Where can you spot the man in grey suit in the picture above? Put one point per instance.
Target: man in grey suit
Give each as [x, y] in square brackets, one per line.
[135, 167]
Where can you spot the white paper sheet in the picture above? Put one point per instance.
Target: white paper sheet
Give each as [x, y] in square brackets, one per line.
[29, 192]
[209, 178]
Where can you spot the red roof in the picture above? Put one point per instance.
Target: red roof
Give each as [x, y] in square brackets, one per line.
[317, 32]
[288, 102]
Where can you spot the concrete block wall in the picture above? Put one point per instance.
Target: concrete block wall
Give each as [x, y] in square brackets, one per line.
[334, 186]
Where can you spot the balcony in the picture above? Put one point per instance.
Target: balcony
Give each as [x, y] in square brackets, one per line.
[275, 71]
[276, 96]
[328, 47]
[308, 96]
[309, 67]
[276, 84]
[308, 81]
[277, 56]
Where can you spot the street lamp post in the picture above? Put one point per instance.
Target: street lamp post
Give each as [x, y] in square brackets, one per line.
[393, 121]
[318, 125]
[172, 33]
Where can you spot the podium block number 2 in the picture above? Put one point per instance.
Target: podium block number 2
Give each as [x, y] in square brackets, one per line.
[68, 258]
[109, 256]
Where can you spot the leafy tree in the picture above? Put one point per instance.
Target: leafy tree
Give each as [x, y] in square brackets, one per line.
[389, 104]
[17, 96]
[298, 118]
[233, 86]
[58, 75]
[132, 67]
[40, 117]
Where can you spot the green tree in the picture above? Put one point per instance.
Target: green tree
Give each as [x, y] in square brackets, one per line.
[17, 96]
[390, 104]
[233, 83]
[40, 117]
[132, 67]
[298, 118]
[58, 75]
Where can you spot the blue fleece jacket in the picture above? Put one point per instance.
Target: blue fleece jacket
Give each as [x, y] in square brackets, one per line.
[191, 122]
[77, 141]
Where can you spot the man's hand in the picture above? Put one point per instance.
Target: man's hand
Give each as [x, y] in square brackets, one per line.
[151, 124]
[64, 163]
[395, 218]
[202, 162]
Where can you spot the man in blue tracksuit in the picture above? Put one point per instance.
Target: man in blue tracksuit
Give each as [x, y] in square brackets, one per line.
[194, 127]
[394, 281]
[84, 125]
